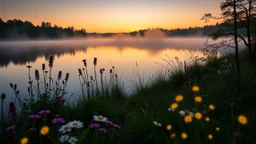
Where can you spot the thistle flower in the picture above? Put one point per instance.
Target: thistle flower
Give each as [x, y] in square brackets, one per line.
[59, 75]
[11, 85]
[116, 126]
[44, 112]
[94, 125]
[35, 116]
[10, 128]
[108, 122]
[102, 130]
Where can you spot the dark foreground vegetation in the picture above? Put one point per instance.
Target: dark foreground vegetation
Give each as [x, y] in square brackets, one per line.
[208, 103]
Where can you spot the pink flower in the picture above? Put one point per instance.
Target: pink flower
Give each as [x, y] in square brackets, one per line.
[10, 128]
[102, 130]
[63, 99]
[44, 112]
[35, 116]
[58, 120]
[116, 126]
[108, 122]
[94, 125]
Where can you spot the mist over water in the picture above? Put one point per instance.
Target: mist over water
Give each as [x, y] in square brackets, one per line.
[121, 51]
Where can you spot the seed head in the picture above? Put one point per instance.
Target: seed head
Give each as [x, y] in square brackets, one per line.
[11, 85]
[37, 75]
[3, 96]
[51, 61]
[95, 61]
[80, 72]
[85, 63]
[67, 76]
[43, 67]
[59, 75]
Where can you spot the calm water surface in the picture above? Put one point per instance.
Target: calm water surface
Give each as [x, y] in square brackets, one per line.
[123, 53]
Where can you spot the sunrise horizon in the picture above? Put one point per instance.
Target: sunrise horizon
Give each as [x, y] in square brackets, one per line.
[111, 16]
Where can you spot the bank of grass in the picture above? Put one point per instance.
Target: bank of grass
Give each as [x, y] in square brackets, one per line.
[230, 94]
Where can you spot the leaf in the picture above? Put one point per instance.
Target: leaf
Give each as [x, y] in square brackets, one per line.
[54, 141]
[83, 134]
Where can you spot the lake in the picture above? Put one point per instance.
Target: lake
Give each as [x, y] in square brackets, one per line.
[129, 56]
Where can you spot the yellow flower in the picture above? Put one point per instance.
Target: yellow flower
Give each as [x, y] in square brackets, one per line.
[168, 127]
[211, 107]
[217, 129]
[44, 130]
[198, 99]
[195, 88]
[184, 135]
[179, 98]
[174, 106]
[173, 135]
[207, 119]
[210, 136]
[188, 119]
[198, 115]
[242, 119]
[24, 140]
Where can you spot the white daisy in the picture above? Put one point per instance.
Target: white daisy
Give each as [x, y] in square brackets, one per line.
[182, 113]
[63, 138]
[171, 110]
[72, 140]
[76, 124]
[65, 128]
[100, 118]
[157, 123]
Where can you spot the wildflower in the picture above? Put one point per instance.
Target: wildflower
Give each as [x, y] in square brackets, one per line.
[65, 128]
[44, 130]
[44, 112]
[94, 125]
[210, 136]
[217, 129]
[182, 113]
[11, 128]
[219, 72]
[100, 118]
[171, 110]
[35, 116]
[188, 119]
[211, 107]
[169, 127]
[172, 135]
[184, 135]
[237, 133]
[225, 60]
[102, 130]
[195, 88]
[63, 100]
[72, 140]
[63, 138]
[157, 123]
[116, 126]
[242, 119]
[198, 99]
[174, 106]
[179, 98]
[198, 115]
[207, 119]
[58, 120]
[76, 124]
[24, 140]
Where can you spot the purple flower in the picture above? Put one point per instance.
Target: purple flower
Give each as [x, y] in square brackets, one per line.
[58, 120]
[94, 125]
[116, 126]
[63, 99]
[108, 122]
[44, 112]
[102, 130]
[35, 116]
[10, 128]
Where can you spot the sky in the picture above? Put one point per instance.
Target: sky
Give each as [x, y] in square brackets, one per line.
[111, 15]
